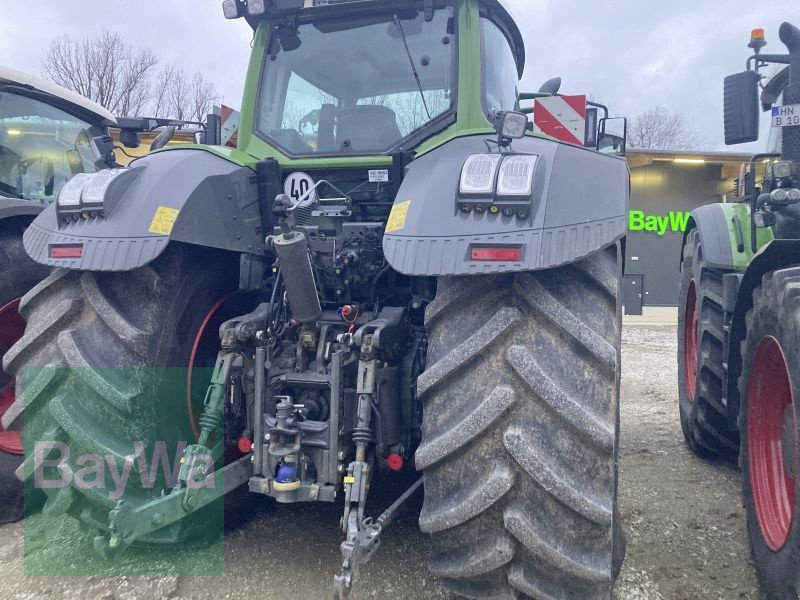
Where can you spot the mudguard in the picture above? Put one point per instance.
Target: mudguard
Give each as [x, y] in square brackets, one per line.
[712, 223]
[12, 207]
[186, 195]
[726, 235]
[579, 204]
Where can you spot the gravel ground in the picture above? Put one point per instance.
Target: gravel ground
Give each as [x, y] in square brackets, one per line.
[683, 517]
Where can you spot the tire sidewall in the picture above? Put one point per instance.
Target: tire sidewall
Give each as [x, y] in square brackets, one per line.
[18, 274]
[777, 571]
[690, 271]
[688, 274]
[190, 305]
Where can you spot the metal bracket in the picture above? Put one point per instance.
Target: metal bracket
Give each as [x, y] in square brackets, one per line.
[126, 524]
[362, 541]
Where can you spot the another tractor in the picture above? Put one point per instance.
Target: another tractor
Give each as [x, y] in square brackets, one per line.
[739, 325]
[389, 274]
[45, 137]
[48, 135]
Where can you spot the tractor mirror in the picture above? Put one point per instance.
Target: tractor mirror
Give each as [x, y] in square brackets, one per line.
[163, 138]
[590, 133]
[612, 137]
[741, 108]
[790, 36]
[551, 86]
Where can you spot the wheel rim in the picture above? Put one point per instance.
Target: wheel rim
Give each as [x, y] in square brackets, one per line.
[770, 417]
[12, 327]
[690, 341]
[204, 352]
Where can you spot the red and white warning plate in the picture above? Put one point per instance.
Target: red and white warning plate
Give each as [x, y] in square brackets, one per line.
[561, 117]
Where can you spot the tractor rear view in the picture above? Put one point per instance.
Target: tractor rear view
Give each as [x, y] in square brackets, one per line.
[389, 274]
[739, 328]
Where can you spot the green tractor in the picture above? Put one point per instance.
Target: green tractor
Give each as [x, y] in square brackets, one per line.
[739, 326]
[389, 275]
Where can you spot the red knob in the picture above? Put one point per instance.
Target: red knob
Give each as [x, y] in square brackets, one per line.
[245, 444]
[395, 462]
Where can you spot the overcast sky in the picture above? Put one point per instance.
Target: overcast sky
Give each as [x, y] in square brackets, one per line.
[629, 54]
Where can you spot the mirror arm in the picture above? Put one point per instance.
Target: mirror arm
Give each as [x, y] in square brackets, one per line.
[781, 59]
[602, 107]
[533, 95]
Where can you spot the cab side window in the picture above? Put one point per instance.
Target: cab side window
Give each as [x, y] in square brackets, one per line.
[499, 69]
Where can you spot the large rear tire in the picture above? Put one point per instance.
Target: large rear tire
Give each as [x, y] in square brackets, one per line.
[701, 374]
[18, 274]
[769, 421]
[521, 432]
[102, 365]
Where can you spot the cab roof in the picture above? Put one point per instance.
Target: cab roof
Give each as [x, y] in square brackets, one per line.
[59, 96]
[501, 8]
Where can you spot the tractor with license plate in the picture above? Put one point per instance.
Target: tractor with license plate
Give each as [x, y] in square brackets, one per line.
[738, 336]
[390, 274]
[45, 137]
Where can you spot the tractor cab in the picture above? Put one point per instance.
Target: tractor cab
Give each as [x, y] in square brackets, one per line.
[325, 94]
[45, 136]
[370, 77]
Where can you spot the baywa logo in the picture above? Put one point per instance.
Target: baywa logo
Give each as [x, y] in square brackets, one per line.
[55, 467]
[672, 221]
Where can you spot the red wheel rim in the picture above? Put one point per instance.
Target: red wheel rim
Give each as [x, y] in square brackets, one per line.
[206, 345]
[690, 342]
[12, 327]
[770, 411]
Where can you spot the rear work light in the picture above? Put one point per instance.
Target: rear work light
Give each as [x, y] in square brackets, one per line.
[516, 175]
[479, 173]
[496, 254]
[73, 251]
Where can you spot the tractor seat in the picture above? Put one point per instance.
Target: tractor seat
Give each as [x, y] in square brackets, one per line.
[367, 128]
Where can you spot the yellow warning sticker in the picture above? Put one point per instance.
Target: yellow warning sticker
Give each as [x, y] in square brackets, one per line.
[164, 220]
[397, 218]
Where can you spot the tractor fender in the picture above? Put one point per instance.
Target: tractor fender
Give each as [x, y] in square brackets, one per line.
[712, 224]
[776, 254]
[13, 207]
[578, 205]
[185, 195]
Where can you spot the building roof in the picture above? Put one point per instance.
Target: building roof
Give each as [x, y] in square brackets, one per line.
[729, 163]
[66, 97]
[708, 155]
